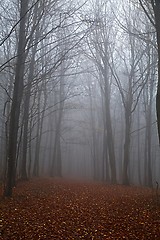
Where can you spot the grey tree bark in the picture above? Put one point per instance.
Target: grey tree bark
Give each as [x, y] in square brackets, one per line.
[16, 102]
[155, 7]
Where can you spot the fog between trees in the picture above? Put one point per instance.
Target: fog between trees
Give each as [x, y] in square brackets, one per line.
[78, 91]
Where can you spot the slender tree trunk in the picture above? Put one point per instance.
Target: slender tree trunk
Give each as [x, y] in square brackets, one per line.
[2, 150]
[56, 153]
[30, 150]
[50, 150]
[148, 129]
[37, 152]
[105, 158]
[39, 130]
[59, 158]
[56, 165]
[26, 120]
[53, 157]
[145, 160]
[138, 148]
[128, 119]
[56, 160]
[93, 134]
[126, 147]
[110, 143]
[110, 140]
[26, 110]
[37, 149]
[16, 102]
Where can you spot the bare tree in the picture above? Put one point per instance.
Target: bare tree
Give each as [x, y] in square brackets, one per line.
[151, 9]
[130, 81]
[99, 44]
[16, 102]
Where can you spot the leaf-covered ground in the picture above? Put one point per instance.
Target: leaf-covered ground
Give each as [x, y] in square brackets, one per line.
[59, 209]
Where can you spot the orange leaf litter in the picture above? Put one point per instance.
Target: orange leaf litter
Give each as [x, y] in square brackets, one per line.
[72, 210]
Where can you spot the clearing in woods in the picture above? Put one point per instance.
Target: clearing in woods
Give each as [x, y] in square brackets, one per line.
[65, 209]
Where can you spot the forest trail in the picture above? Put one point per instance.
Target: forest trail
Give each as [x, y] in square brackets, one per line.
[73, 210]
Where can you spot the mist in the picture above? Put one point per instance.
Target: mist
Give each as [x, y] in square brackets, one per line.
[78, 92]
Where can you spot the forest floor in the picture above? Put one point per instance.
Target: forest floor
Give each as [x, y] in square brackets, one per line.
[65, 209]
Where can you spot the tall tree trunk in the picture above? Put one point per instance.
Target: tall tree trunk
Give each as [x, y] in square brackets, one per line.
[39, 130]
[26, 118]
[156, 9]
[59, 158]
[138, 148]
[126, 147]
[2, 150]
[105, 158]
[148, 130]
[110, 140]
[30, 149]
[145, 159]
[27, 104]
[56, 159]
[37, 152]
[93, 134]
[16, 102]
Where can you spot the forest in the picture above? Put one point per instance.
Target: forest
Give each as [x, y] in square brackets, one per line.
[78, 91]
[80, 99]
